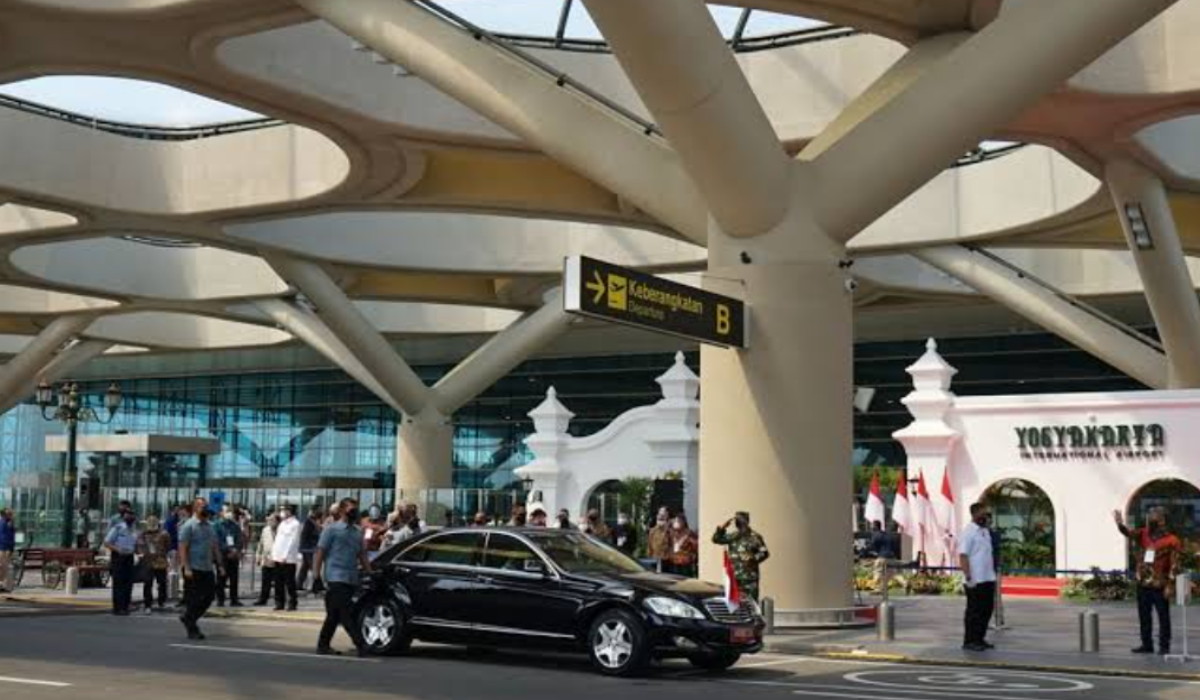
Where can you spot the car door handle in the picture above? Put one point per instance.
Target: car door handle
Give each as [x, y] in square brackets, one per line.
[484, 579]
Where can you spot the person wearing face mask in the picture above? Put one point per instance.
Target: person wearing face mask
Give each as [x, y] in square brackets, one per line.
[1157, 556]
[684, 548]
[537, 515]
[152, 546]
[747, 551]
[518, 516]
[199, 558]
[339, 557]
[625, 535]
[121, 544]
[563, 521]
[374, 527]
[285, 553]
[262, 559]
[231, 543]
[658, 540]
[975, 558]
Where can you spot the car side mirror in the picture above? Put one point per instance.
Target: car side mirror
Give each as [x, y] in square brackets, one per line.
[534, 566]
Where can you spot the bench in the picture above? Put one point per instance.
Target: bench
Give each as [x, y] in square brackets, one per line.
[53, 565]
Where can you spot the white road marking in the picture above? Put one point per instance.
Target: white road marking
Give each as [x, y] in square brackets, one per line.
[31, 681]
[962, 679]
[802, 687]
[776, 662]
[267, 652]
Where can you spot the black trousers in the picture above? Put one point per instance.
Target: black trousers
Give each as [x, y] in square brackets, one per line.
[268, 580]
[198, 594]
[305, 567]
[230, 579]
[981, 602]
[121, 567]
[285, 584]
[339, 610]
[158, 576]
[1149, 600]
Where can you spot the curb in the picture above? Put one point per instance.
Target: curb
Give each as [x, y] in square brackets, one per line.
[872, 657]
[214, 612]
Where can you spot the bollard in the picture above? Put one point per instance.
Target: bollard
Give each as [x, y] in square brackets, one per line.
[768, 613]
[1089, 632]
[886, 623]
[173, 585]
[72, 585]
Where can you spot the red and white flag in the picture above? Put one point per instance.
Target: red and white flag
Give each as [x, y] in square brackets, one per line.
[901, 512]
[733, 596]
[944, 506]
[874, 511]
[925, 520]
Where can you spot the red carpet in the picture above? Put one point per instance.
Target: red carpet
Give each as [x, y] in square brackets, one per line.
[1032, 587]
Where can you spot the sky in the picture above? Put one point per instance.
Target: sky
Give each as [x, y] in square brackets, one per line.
[154, 104]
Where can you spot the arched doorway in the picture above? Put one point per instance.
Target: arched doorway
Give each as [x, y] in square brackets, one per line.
[1179, 498]
[606, 498]
[1024, 516]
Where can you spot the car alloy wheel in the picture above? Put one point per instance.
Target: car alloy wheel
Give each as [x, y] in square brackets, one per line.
[617, 643]
[381, 625]
[613, 644]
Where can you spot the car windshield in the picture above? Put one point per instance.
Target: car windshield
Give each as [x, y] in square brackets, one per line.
[579, 554]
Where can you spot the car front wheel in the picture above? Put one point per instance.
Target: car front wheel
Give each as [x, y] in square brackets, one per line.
[718, 661]
[381, 625]
[617, 644]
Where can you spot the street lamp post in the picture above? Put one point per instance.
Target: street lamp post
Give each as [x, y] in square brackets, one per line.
[71, 408]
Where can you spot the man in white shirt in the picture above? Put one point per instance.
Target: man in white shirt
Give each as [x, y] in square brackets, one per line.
[975, 558]
[285, 553]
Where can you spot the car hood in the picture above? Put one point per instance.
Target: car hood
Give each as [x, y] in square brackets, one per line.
[650, 582]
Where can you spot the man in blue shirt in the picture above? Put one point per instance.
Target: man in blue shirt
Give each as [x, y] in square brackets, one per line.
[121, 543]
[200, 559]
[8, 542]
[231, 543]
[339, 556]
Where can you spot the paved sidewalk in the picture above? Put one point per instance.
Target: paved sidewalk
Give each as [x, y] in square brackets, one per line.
[1040, 634]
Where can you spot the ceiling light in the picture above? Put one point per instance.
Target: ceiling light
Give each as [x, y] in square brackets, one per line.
[1139, 228]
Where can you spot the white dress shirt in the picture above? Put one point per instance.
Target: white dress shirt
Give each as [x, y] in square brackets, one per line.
[286, 547]
[976, 545]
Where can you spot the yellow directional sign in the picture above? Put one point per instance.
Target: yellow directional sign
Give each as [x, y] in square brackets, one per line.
[613, 293]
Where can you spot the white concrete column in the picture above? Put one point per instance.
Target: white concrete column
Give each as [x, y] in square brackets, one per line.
[62, 365]
[1052, 313]
[1169, 288]
[501, 354]
[354, 330]
[424, 454]
[1029, 50]
[614, 152]
[15, 375]
[686, 74]
[549, 443]
[310, 329]
[776, 429]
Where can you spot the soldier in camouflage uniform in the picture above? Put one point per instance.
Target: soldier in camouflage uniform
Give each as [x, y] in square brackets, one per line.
[747, 550]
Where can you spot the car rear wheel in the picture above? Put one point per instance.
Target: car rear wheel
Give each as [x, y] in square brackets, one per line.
[381, 625]
[718, 661]
[617, 644]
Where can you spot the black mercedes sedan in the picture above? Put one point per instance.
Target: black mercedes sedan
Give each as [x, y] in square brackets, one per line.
[548, 588]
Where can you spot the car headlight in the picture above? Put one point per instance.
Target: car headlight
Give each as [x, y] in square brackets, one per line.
[672, 607]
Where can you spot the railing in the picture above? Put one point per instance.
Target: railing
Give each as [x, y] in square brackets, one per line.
[151, 133]
[1072, 301]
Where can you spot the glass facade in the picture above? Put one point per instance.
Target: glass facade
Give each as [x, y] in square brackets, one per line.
[321, 423]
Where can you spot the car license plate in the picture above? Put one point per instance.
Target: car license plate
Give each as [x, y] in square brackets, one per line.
[741, 635]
